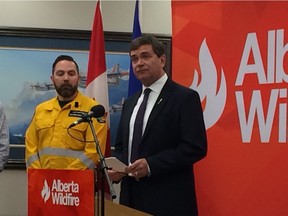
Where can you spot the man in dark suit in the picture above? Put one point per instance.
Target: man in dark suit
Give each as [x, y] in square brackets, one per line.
[161, 180]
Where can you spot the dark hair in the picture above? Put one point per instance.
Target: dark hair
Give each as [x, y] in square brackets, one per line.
[157, 46]
[64, 57]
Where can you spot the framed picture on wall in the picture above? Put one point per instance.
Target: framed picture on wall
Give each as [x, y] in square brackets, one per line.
[26, 56]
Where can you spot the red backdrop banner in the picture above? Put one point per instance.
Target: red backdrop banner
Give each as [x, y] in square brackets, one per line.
[234, 54]
[60, 192]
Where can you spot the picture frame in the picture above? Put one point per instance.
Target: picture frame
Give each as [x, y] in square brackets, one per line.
[42, 45]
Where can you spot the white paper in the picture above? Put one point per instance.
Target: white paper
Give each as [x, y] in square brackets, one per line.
[115, 164]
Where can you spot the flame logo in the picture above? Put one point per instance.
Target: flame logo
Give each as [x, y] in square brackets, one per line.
[207, 88]
[45, 193]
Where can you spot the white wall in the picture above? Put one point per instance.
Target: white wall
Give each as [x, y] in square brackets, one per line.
[13, 193]
[155, 17]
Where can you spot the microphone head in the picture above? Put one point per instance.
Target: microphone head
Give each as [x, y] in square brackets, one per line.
[98, 111]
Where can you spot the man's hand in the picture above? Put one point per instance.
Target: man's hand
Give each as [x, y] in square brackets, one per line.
[115, 176]
[138, 169]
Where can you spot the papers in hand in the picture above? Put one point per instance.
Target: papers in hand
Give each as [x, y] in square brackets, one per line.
[115, 164]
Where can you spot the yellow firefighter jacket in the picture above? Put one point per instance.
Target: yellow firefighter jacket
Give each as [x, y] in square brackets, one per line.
[51, 145]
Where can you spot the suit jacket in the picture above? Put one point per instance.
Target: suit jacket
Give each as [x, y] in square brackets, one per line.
[174, 139]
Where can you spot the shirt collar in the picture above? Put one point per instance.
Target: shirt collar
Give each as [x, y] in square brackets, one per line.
[158, 85]
[54, 102]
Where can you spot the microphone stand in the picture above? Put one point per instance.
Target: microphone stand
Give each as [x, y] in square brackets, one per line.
[103, 171]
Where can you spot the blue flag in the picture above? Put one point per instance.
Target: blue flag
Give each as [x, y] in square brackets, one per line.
[134, 84]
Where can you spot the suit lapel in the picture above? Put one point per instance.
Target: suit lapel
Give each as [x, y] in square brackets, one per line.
[129, 106]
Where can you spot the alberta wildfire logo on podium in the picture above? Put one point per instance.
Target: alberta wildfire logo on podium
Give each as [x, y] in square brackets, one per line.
[53, 192]
[62, 193]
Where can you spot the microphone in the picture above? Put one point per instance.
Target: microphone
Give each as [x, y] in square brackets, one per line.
[96, 112]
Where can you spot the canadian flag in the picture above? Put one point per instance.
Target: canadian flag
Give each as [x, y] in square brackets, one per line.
[97, 85]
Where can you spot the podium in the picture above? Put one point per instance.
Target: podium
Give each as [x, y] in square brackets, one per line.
[60, 192]
[112, 209]
[68, 192]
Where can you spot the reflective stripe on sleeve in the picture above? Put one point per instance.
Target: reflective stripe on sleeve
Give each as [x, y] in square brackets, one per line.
[34, 157]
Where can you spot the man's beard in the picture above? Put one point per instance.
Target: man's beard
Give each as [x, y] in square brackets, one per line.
[66, 90]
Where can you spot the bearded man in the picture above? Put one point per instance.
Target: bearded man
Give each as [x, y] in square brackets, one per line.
[50, 142]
